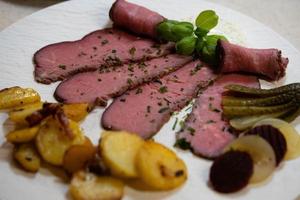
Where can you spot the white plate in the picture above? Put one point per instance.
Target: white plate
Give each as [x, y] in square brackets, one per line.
[73, 19]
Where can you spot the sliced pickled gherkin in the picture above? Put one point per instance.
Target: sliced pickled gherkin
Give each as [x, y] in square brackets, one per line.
[256, 110]
[290, 116]
[265, 101]
[263, 92]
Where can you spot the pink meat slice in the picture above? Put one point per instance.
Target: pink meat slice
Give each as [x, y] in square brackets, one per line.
[99, 86]
[204, 129]
[146, 111]
[267, 63]
[135, 18]
[102, 48]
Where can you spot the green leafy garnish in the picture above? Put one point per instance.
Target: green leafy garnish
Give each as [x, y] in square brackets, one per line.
[193, 40]
[207, 20]
[186, 45]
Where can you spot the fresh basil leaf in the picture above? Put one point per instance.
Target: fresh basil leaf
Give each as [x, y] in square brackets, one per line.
[182, 29]
[164, 30]
[207, 20]
[208, 52]
[186, 46]
[200, 32]
[199, 45]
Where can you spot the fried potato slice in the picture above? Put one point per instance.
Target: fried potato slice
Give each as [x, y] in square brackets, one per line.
[27, 157]
[17, 96]
[52, 141]
[78, 156]
[19, 114]
[22, 135]
[88, 186]
[119, 150]
[76, 111]
[159, 167]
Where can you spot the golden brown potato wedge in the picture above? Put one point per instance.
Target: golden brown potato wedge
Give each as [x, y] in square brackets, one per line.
[22, 135]
[88, 186]
[18, 115]
[76, 111]
[52, 142]
[119, 150]
[159, 167]
[78, 156]
[17, 96]
[27, 157]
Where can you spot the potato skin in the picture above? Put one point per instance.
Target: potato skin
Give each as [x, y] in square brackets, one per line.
[22, 135]
[17, 96]
[27, 157]
[118, 150]
[78, 156]
[159, 167]
[19, 114]
[88, 186]
[52, 142]
[76, 111]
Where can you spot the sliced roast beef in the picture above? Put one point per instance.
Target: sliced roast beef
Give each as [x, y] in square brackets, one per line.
[101, 48]
[265, 62]
[147, 108]
[204, 130]
[135, 18]
[99, 86]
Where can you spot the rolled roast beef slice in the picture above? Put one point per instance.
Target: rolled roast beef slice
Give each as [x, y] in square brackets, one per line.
[135, 18]
[101, 48]
[147, 108]
[204, 129]
[99, 86]
[268, 63]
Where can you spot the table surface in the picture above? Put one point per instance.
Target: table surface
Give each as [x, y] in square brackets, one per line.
[280, 15]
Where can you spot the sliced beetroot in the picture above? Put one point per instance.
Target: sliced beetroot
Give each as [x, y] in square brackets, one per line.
[231, 171]
[274, 137]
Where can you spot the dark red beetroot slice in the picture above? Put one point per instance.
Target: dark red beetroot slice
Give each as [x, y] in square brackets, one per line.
[274, 137]
[265, 62]
[231, 171]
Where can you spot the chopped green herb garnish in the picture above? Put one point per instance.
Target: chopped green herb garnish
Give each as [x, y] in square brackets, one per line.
[132, 51]
[163, 89]
[129, 81]
[210, 121]
[139, 90]
[188, 108]
[181, 124]
[175, 124]
[183, 144]
[163, 109]
[62, 67]
[104, 42]
[212, 108]
[152, 121]
[130, 68]
[148, 109]
[196, 69]
[191, 130]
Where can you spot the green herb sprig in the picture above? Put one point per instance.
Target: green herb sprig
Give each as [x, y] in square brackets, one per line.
[193, 40]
